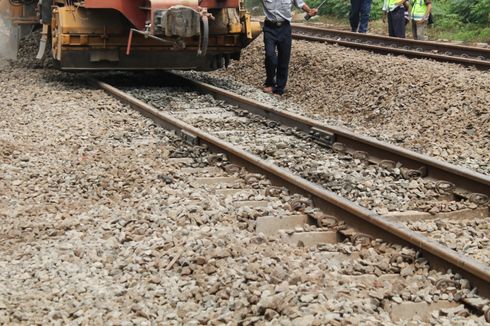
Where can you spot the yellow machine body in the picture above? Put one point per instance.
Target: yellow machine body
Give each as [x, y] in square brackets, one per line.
[91, 36]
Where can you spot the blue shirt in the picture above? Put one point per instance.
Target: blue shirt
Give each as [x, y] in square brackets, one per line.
[280, 10]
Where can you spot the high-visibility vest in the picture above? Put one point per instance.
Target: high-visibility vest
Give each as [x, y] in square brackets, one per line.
[418, 9]
[392, 4]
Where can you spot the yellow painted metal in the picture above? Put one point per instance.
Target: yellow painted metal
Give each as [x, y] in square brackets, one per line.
[234, 24]
[235, 28]
[103, 34]
[248, 26]
[73, 27]
[78, 20]
[55, 35]
[253, 29]
[226, 21]
[256, 29]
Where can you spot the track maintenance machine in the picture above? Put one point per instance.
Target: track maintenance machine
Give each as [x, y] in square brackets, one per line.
[131, 34]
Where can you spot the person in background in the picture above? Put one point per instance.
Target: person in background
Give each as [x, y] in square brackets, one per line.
[277, 36]
[395, 11]
[359, 15]
[419, 14]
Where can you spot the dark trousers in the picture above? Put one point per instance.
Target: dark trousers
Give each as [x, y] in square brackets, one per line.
[359, 15]
[277, 40]
[396, 22]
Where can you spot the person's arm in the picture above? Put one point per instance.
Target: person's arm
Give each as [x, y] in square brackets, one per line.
[301, 4]
[428, 10]
[385, 5]
[311, 12]
[385, 10]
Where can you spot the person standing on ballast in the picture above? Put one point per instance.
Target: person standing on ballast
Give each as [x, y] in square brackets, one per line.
[359, 15]
[395, 11]
[278, 40]
[419, 14]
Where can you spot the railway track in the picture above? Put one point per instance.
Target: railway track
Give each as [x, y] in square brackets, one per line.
[365, 225]
[446, 52]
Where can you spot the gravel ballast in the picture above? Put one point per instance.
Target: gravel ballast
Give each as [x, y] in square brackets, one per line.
[438, 109]
[102, 225]
[370, 186]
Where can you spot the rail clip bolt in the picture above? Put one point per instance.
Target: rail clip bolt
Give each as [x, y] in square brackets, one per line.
[479, 199]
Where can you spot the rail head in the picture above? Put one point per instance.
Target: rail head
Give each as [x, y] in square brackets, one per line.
[467, 180]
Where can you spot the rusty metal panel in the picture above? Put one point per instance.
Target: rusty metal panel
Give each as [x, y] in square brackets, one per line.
[219, 3]
[73, 59]
[165, 4]
[83, 21]
[110, 55]
[83, 39]
[132, 10]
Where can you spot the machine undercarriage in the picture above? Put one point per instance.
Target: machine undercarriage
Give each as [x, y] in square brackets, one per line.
[135, 34]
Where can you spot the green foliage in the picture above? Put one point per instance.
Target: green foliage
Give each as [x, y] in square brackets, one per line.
[341, 8]
[337, 8]
[465, 18]
[468, 32]
[471, 11]
[376, 9]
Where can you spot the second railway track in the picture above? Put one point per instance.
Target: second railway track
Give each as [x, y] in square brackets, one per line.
[446, 52]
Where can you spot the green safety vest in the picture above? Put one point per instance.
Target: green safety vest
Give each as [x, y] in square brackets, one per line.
[392, 4]
[418, 9]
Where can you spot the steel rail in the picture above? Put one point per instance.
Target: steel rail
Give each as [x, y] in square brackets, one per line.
[466, 55]
[361, 219]
[467, 182]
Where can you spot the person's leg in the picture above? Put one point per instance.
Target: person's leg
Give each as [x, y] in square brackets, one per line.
[391, 31]
[364, 12]
[414, 29]
[283, 56]
[399, 23]
[270, 42]
[421, 31]
[355, 7]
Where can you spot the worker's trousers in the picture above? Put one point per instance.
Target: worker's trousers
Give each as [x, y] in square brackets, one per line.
[418, 30]
[359, 15]
[396, 22]
[277, 40]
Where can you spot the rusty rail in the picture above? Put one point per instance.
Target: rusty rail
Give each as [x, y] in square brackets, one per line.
[468, 183]
[446, 52]
[354, 215]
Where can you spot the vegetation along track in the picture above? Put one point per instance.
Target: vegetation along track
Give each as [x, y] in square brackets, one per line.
[465, 55]
[365, 224]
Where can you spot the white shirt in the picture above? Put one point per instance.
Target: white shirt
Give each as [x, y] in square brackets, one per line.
[280, 10]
